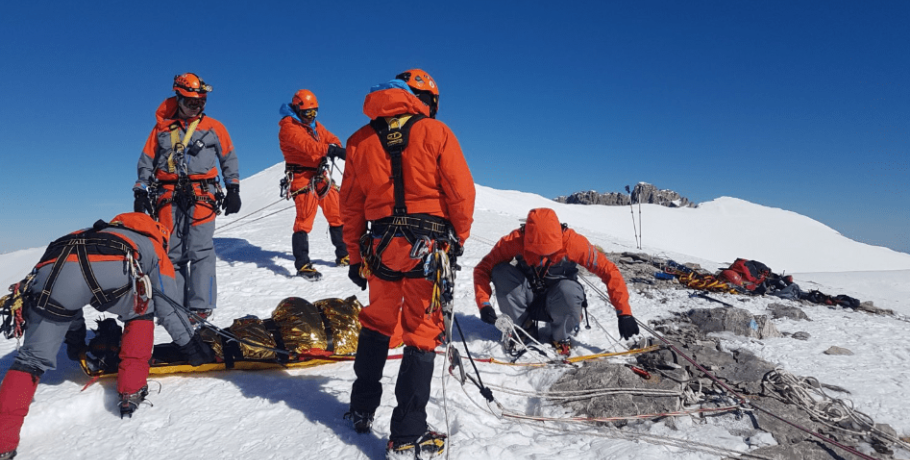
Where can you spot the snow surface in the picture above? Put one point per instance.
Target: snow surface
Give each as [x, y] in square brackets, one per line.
[297, 413]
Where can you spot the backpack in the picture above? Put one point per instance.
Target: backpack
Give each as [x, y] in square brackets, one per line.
[752, 272]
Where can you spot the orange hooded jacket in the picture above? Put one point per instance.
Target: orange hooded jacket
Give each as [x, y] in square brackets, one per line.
[543, 237]
[301, 147]
[437, 180]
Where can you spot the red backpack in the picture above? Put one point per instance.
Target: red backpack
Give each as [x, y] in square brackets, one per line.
[752, 272]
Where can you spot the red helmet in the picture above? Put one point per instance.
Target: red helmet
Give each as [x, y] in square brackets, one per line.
[419, 80]
[190, 85]
[732, 277]
[304, 99]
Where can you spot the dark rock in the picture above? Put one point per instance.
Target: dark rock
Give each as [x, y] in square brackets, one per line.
[642, 193]
[801, 335]
[785, 311]
[735, 320]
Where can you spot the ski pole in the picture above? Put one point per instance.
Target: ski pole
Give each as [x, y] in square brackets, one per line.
[632, 211]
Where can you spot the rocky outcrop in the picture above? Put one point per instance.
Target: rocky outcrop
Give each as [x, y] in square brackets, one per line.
[647, 193]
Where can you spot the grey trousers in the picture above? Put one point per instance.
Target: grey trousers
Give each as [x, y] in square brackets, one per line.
[564, 300]
[192, 251]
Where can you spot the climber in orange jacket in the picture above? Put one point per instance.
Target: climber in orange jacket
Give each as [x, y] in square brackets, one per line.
[543, 285]
[406, 182]
[308, 147]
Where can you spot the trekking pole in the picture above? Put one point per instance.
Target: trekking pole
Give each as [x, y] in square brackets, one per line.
[632, 211]
[640, 236]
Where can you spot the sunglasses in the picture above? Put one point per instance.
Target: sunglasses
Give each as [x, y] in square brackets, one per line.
[309, 113]
[193, 102]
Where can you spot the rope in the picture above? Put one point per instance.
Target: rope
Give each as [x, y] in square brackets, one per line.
[683, 444]
[254, 212]
[808, 394]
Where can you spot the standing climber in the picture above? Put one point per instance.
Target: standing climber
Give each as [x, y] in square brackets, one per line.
[308, 147]
[406, 186]
[178, 183]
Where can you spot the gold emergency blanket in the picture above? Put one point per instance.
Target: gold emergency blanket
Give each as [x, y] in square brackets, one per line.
[251, 330]
[343, 316]
[308, 327]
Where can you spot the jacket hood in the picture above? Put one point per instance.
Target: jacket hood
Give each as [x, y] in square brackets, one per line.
[543, 232]
[287, 111]
[393, 101]
[167, 112]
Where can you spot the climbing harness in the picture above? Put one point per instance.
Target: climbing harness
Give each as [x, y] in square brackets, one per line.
[92, 242]
[320, 183]
[11, 308]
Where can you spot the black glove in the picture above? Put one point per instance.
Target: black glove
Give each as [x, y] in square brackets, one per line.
[488, 314]
[142, 203]
[354, 275]
[627, 326]
[231, 203]
[196, 352]
[336, 152]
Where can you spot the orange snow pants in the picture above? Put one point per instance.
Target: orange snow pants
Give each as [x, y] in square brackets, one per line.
[306, 204]
[400, 307]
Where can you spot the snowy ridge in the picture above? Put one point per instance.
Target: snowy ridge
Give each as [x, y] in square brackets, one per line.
[297, 413]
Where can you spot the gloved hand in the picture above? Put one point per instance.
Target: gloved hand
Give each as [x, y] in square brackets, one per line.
[142, 203]
[231, 203]
[487, 313]
[196, 352]
[627, 326]
[354, 275]
[336, 152]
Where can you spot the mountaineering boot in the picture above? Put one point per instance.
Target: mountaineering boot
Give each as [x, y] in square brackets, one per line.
[16, 393]
[430, 445]
[300, 246]
[563, 347]
[309, 273]
[366, 393]
[8, 455]
[129, 402]
[341, 250]
[361, 421]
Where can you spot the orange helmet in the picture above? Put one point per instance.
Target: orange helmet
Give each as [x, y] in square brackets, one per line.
[419, 81]
[190, 85]
[424, 88]
[304, 99]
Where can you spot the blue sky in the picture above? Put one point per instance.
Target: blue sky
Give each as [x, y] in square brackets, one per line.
[803, 106]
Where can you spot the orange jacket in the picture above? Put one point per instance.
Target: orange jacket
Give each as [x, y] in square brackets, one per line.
[301, 146]
[437, 180]
[575, 248]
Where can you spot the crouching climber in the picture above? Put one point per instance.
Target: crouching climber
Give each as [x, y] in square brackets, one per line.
[543, 284]
[115, 267]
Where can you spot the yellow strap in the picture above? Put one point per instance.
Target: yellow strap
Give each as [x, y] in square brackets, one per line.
[176, 143]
